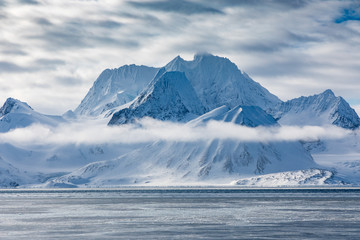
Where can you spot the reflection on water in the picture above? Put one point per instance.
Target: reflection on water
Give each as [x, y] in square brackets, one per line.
[186, 213]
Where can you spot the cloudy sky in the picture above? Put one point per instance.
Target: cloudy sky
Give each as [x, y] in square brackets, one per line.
[51, 51]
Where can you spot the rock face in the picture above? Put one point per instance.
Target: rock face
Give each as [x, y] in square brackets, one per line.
[17, 114]
[115, 87]
[169, 96]
[320, 109]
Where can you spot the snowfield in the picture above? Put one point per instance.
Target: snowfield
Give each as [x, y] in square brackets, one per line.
[309, 177]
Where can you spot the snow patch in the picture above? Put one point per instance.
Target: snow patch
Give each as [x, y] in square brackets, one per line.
[308, 177]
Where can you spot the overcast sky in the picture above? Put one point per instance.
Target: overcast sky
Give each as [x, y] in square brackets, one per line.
[51, 51]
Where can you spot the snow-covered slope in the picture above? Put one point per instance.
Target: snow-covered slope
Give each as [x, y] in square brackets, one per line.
[10, 176]
[251, 116]
[50, 158]
[115, 87]
[217, 81]
[177, 163]
[17, 114]
[320, 109]
[343, 155]
[213, 161]
[169, 96]
[308, 177]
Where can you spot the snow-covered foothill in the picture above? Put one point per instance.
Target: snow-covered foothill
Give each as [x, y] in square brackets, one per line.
[308, 177]
[16, 114]
[10, 176]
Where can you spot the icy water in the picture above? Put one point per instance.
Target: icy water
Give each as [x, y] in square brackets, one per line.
[180, 214]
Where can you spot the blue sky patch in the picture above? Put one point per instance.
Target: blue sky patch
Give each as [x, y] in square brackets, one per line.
[351, 14]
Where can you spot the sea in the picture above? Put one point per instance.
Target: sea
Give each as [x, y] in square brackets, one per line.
[180, 213]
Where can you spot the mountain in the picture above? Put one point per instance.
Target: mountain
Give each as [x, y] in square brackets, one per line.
[210, 81]
[217, 81]
[169, 96]
[115, 87]
[204, 92]
[16, 114]
[321, 109]
[215, 161]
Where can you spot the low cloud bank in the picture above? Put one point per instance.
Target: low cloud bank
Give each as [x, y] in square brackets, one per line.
[149, 130]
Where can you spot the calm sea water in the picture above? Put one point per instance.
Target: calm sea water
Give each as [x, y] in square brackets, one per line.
[180, 214]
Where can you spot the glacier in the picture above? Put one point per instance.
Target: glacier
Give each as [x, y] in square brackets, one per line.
[185, 95]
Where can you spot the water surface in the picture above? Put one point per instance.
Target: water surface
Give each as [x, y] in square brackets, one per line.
[180, 213]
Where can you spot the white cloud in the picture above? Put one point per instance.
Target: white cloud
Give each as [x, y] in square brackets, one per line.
[150, 130]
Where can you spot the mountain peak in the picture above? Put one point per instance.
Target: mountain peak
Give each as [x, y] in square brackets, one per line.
[203, 55]
[17, 114]
[208, 58]
[328, 92]
[115, 87]
[12, 105]
[176, 63]
[217, 81]
[318, 109]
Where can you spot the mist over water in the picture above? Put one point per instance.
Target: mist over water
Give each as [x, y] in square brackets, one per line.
[180, 214]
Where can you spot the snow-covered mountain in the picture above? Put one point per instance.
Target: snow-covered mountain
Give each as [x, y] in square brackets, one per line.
[217, 81]
[213, 161]
[17, 114]
[321, 109]
[115, 87]
[169, 96]
[207, 90]
[184, 88]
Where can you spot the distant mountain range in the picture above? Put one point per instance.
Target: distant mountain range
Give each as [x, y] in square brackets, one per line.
[193, 93]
